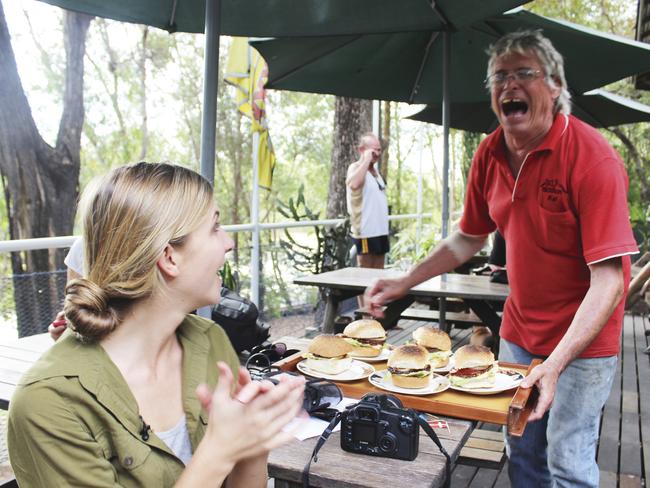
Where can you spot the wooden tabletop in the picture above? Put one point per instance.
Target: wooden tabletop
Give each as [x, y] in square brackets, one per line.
[16, 357]
[447, 285]
[339, 469]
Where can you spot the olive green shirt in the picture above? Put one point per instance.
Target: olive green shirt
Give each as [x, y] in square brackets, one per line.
[73, 420]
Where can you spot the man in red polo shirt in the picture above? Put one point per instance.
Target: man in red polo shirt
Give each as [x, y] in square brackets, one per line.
[557, 192]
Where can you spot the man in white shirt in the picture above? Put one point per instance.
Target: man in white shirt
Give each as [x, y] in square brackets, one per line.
[367, 204]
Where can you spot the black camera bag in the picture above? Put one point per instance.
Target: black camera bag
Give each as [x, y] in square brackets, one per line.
[238, 316]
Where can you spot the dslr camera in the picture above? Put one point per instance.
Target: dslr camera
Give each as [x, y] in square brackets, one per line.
[380, 426]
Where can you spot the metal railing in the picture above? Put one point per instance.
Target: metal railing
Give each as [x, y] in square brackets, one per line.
[31, 289]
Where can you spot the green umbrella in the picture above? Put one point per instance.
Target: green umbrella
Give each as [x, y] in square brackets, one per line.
[296, 17]
[598, 108]
[407, 66]
[433, 66]
[281, 18]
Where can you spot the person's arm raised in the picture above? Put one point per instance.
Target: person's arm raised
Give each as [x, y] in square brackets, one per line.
[447, 255]
[356, 176]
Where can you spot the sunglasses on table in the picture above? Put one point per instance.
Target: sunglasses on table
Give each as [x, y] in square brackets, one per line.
[262, 357]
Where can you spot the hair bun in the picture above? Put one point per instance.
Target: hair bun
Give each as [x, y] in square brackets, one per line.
[87, 309]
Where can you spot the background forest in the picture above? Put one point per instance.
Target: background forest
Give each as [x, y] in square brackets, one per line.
[142, 91]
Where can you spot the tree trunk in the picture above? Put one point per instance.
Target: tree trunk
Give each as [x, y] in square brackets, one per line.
[385, 137]
[352, 117]
[40, 182]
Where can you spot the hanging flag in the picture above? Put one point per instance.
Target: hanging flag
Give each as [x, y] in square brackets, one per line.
[247, 72]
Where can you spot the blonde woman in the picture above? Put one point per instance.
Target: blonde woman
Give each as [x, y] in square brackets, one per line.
[125, 398]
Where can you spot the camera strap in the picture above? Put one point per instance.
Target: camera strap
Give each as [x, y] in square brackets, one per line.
[321, 441]
[337, 418]
[434, 437]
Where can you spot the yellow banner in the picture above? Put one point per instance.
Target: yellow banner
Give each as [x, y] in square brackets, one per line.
[247, 72]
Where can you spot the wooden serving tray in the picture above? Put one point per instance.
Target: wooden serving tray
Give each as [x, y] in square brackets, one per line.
[511, 408]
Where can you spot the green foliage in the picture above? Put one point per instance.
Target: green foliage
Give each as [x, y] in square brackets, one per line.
[332, 243]
[408, 249]
[228, 278]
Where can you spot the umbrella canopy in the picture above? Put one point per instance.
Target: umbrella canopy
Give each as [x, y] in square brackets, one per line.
[280, 18]
[296, 17]
[598, 108]
[446, 66]
[407, 66]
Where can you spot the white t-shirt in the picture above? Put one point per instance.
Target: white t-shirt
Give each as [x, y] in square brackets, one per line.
[75, 257]
[178, 440]
[368, 207]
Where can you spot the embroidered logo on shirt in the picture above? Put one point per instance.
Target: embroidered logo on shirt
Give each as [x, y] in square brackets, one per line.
[552, 189]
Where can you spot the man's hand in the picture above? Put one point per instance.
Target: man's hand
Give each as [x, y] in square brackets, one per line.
[545, 377]
[383, 292]
[367, 156]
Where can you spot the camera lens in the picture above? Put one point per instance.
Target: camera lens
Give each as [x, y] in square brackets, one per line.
[388, 443]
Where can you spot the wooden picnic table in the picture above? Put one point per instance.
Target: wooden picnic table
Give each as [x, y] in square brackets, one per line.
[335, 467]
[478, 292]
[16, 357]
[339, 469]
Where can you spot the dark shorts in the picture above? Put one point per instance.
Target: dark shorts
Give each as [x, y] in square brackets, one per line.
[372, 245]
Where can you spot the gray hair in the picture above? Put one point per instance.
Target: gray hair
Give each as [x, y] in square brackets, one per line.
[527, 41]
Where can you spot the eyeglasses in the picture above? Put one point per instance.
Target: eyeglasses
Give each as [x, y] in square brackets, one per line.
[523, 75]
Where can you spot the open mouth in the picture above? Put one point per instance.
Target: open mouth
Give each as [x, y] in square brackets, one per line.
[514, 106]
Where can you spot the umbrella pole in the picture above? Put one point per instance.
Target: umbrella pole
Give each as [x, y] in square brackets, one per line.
[255, 218]
[210, 80]
[446, 52]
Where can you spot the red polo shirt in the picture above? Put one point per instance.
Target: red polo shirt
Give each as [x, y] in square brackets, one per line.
[566, 209]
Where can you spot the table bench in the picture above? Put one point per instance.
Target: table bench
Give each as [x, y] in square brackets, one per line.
[459, 319]
[483, 449]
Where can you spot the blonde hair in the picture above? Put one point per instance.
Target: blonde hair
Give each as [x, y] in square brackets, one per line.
[532, 41]
[129, 216]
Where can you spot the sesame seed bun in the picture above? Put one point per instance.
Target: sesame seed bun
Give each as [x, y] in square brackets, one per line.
[329, 346]
[365, 329]
[409, 356]
[473, 357]
[432, 338]
[414, 360]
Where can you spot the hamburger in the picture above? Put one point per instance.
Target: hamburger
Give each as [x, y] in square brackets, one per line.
[475, 367]
[409, 366]
[367, 337]
[328, 354]
[436, 342]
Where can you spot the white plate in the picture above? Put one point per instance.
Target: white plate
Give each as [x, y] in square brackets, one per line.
[436, 385]
[383, 356]
[447, 368]
[357, 370]
[504, 382]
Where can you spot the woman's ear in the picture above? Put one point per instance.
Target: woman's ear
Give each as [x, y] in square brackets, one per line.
[167, 262]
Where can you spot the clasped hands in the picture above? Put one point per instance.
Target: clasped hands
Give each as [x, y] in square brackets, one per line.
[246, 420]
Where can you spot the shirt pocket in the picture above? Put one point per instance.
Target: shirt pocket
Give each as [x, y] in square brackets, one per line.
[558, 232]
[128, 455]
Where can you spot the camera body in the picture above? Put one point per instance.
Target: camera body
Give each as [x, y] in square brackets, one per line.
[379, 426]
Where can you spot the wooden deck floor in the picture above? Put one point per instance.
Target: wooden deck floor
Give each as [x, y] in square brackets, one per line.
[624, 445]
